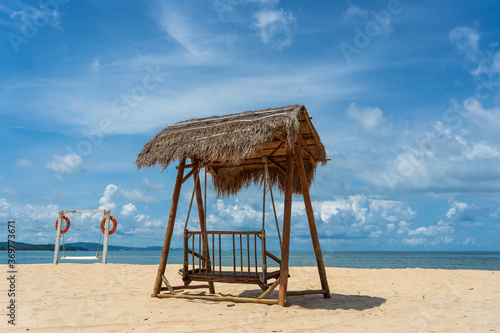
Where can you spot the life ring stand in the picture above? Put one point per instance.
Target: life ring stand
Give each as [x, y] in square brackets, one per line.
[115, 224]
[65, 218]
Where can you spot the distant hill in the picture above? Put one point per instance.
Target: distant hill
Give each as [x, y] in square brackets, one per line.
[79, 246]
[20, 246]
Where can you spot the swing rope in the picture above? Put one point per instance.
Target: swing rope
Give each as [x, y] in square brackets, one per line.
[191, 203]
[98, 245]
[64, 248]
[272, 199]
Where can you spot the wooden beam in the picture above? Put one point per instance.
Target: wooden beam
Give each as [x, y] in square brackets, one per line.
[170, 228]
[189, 175]
[276, 164]
[169, 287]
[312, 223]
[305, 292]
[203, 223]
[287, 217]
[306, 149]
[270, 289]
[272, 256]
[221, 299]
[277, 148]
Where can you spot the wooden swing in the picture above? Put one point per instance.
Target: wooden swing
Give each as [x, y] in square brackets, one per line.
[235, 149]
[204, 263]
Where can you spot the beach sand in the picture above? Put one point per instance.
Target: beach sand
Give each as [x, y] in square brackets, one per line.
[117, 298]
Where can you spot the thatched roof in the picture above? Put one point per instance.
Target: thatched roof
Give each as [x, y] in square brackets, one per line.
[232, 146]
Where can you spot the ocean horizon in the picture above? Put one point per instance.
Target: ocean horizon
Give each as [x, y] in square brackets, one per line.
[468, 260]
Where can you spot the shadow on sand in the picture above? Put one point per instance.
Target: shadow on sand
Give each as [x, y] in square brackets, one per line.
[337, 301]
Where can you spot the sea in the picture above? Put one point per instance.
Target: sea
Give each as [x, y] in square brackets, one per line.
[349, 259]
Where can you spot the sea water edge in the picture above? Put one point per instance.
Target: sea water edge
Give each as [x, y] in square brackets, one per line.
[470, 260]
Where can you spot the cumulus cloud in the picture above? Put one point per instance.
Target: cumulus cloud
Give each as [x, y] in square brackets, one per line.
[461, 211]
[107, 200]
[433, 230]
[24, 163]
[370, 118]
[274, 27]
[64, 165]
[128, 209]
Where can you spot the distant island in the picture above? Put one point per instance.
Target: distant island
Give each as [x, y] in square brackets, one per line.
[79, 246]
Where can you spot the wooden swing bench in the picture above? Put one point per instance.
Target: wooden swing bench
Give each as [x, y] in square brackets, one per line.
[249, 266]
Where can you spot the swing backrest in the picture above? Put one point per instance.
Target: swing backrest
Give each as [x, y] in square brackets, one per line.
[245, 251]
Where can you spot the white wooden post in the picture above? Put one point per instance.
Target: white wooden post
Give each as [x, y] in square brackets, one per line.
[58, 237]
[106, 237]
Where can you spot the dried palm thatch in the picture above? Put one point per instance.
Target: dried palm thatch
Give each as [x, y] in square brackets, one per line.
[232, 146]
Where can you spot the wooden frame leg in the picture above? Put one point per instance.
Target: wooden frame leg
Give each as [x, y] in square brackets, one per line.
[312, 223]
[287, 217]
[170, 229]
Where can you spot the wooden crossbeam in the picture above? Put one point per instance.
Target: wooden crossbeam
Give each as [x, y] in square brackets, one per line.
[305, 292]
[221, 298]
[276, 164]
[270, 289]
[169, 287]
[189, 175]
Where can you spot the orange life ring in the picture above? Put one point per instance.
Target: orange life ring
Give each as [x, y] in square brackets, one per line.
[115, 224]
[63, 231]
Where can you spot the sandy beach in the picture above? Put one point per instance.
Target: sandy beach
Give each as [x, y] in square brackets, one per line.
[116, 298]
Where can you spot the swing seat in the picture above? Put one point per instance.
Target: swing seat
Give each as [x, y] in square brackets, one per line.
[245, 257]
[81, 258]
[228, 276]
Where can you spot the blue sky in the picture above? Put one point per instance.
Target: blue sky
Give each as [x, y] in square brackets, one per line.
[404, 94]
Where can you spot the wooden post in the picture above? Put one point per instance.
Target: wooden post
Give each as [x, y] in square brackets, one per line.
[287, 217]
[312, 223]
[203, 225]
[106, 237]
[170, 228]
[58, 237]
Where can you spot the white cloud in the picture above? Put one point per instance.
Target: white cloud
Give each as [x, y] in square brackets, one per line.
[24, 163]
[180, 29]
[354, 11]
[370, 118]
[4, 208]
[107, 201]
[274, 27]
[136, 195]
[152, 187]
[64, 165]
[413, 241]
[465, 40]
[128, 209]
[461, 211]
[481, 150]
[433, 230]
